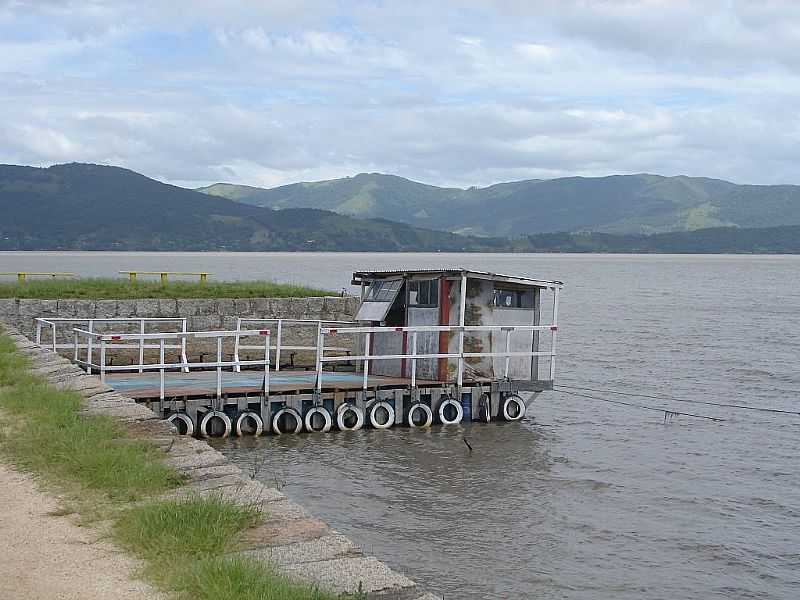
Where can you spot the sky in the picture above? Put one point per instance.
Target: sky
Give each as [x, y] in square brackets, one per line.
[456, 93]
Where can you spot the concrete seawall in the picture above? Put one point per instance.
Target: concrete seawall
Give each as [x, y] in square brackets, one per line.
[289, 538]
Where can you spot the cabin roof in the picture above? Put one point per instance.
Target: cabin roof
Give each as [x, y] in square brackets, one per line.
[366, 276]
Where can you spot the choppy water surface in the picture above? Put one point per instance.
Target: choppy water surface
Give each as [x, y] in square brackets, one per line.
[583, 499]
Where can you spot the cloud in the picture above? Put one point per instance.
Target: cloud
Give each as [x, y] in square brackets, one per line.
[460, 93]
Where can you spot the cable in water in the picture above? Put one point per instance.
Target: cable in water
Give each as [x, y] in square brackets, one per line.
[666, 411]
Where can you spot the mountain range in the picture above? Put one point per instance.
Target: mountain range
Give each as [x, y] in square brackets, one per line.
[625, 204]
[94, 207]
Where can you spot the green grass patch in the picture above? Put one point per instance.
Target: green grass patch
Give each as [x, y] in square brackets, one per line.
[123, 289]
[106, 474]
[189, 527]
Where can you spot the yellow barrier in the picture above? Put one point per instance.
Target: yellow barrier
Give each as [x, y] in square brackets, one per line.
[23, 275]
[164, 275]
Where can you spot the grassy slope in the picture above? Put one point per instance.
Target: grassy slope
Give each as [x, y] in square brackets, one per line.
[122, 289]
[94, 463]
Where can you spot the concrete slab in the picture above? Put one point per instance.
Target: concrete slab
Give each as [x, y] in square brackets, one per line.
[327, 547]
[284, 532]
[349, 575]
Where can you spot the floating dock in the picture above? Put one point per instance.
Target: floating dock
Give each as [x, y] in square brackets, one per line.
[429, 346]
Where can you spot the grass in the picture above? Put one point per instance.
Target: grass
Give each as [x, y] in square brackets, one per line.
[184, 543]
[123, 289]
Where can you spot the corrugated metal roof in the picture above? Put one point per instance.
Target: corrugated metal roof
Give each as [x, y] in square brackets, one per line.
[455, 272]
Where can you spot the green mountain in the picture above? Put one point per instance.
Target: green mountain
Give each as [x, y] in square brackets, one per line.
[93, 207]
[615, 204]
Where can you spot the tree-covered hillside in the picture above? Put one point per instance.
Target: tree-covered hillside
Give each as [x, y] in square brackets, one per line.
[614, 204]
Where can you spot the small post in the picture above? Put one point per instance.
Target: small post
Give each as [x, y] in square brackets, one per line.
[21, 278]
[141, 346]
[508, 349]
[461, 321]
[203, 278]
[366, 360]
[554, 333]
[102, 360]
[132, 277]
[237, 367]
[320, 356]
[266, 366]
[414, 360]
[89, 345]
[219, 371]
[184, 358]
[39, 332]
[75, 342]
[279, 341]
[164, 277]
[161, 370]
[54, 338]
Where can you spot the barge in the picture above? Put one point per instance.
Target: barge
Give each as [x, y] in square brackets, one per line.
[427, 346]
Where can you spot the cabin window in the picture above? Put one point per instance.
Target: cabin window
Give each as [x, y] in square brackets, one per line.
[513, 298]
[383, 291]
[423, 292]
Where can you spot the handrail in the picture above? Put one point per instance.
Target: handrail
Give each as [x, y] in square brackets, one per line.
[165, 275]
[107, 341]
[22, 275]
[279, 345]
[413, 356]
[52, 323]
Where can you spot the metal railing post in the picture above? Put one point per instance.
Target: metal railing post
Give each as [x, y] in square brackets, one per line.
[89, 345]
[266, 365]
[219, 370]
[414, 360]
[320, 356]
[161, 370]
[75, 342]
[508, 349]
[102, 360]
[184, 358]
[237, 367]
[366, 361]
[279, 341]
[55, 348]
[141, 347]
[554, 333]
[39, 332]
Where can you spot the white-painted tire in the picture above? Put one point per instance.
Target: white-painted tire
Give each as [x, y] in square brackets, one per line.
[276, 419]
[454, 419]
[327, 421]
[208, 419]
[381, 415]
[244, 429]
[341, 417]
[181, 418]
[485, 408]
[513, 408]
[426, 411]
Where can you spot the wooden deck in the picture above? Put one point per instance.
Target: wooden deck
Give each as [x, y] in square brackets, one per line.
[204, 383]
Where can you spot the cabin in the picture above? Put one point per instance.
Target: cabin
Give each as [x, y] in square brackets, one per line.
[493, 321]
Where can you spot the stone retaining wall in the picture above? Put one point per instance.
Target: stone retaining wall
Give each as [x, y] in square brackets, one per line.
[289, 538]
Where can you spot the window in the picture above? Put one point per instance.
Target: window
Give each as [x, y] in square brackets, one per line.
[383, 290]
[423, 292]
[504, 298]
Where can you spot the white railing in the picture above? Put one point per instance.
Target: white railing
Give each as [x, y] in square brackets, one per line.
[91, 326]
[413, 356]
[279, 346]
[113, 341]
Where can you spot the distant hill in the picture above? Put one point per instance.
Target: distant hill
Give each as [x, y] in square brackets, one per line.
[93, 207]
[615, 204]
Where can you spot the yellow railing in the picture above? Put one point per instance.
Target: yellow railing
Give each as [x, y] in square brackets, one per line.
[22, 276]
[164, 275]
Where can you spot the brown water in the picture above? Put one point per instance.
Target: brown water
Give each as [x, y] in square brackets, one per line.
[583, 499]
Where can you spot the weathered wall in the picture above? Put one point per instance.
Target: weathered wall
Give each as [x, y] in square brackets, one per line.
[202, 315]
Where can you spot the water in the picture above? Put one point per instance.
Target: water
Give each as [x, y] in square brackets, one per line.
[583, 499]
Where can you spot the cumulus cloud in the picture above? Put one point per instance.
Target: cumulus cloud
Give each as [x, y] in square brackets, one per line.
[459, 93]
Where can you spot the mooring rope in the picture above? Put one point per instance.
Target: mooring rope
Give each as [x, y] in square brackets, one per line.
[667, 412]
[676, 399]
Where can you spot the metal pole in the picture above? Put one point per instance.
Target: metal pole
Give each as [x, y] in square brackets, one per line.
[219, 369]
[184, 358]
[141, 347]
[89, 345]
[237, 367]
[508, 349]
[278, 342]
[38, 332]
[554, 333]
[75, 342]
[54, 337]
[414, 360]
[320, 356]
[266, 366]
[102, 360]
[366, 361]
[161, 370]
[461, 320]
